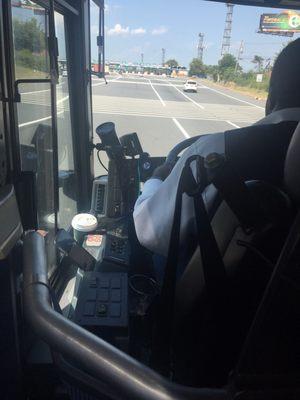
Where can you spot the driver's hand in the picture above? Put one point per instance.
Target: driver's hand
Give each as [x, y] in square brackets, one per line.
[163, 171]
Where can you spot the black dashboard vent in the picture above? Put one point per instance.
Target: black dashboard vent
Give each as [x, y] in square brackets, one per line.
[100, 199]
[99, 196]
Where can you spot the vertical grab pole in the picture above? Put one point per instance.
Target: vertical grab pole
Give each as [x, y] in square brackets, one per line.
[53, 51]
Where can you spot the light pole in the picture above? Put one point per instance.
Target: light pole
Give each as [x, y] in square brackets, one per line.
[200, 46]
[163, 56]
[239, 56]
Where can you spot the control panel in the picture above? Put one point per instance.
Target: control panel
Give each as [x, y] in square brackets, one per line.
[116, 250]
[103, 301]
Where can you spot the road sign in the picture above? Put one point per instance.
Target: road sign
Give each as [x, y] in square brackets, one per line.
[259, 78]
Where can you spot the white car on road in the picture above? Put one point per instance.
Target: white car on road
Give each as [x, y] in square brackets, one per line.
[190, 86]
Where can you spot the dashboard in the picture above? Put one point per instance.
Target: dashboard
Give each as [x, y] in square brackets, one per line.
[113, 283]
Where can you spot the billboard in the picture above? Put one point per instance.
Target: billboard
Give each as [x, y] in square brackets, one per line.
[288, 22]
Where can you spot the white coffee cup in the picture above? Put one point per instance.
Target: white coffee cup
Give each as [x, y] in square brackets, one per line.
[82, 224]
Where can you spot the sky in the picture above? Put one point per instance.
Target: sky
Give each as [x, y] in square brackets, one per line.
[133, 27]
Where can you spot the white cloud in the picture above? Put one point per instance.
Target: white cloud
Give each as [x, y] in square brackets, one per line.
[138, 31]
[159, 31]
[118, 30]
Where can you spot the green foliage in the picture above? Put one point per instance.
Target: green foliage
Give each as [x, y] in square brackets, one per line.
[248, 79]
[228, 67]
[29, 35]
[212, 71]
[227, 61]
[33, 61]
[196, 68]
[172, 63]
[228, 70]
[228, 74]
[30, 44]
[258, 60]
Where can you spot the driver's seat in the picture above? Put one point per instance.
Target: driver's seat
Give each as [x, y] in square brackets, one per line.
[204, 350]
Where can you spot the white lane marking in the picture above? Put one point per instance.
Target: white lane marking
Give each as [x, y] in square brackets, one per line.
[40, 91]
[109, 80]
[232, 124]
[157, 94]
[139, 83]
[181, 128]
[35, 91]
[184, 95]
[135, 114]
[61, 100]
[170, 81]
[99, 84]
[38, 120]
[234, 98]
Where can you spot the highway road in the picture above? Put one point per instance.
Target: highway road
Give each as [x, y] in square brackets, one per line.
[163, 114]
[156, 108]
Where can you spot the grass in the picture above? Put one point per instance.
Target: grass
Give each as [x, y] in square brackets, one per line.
[260, 94]
[28, 73]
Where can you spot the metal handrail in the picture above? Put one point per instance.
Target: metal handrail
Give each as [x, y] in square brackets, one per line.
[128, 378]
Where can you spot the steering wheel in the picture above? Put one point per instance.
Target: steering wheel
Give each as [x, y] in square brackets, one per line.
[173, 154]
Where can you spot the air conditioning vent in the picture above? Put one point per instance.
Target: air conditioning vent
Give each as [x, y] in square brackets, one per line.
[100, 199]
[99, 196]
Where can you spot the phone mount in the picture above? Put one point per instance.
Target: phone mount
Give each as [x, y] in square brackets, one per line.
[123, 182]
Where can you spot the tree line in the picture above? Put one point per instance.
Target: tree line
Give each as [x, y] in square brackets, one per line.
[228, 70]
[30, 44]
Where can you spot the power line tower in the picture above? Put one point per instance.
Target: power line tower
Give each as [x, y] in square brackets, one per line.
[142, 58]
[163, 57]
[200, 46]
[227, 30]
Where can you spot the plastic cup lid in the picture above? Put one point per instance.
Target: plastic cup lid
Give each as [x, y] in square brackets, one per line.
[84, 222]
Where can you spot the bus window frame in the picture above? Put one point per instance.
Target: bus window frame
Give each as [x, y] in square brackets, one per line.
[78, 48]
[4, 97]
[77, 34]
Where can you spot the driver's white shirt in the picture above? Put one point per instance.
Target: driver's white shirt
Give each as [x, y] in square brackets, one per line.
[154, 209]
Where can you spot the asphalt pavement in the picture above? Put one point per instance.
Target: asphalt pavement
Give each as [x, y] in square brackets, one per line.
[162, 114]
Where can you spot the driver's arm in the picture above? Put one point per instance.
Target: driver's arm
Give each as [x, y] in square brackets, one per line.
[152, 184]
[154, 209]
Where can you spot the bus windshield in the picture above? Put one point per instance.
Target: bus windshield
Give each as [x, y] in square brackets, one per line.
[172, 74]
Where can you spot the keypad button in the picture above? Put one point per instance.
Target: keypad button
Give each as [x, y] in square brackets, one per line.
[104, 282]
[102, 310]
[91, 294]
[115, 283]
[103, 295]
[115, 310]
[115, 295]
[89, 309]
[93, 283]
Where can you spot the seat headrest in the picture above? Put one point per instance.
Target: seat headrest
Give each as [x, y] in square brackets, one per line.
[292, 166]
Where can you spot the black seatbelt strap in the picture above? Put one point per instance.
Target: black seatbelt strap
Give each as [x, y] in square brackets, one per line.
[165, 306]
[234, 191]
[213, 267]
[54, 300]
